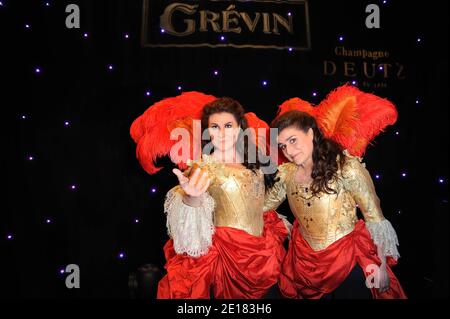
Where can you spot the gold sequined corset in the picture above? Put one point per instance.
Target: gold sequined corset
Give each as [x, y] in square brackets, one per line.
[322, 219]
[326, 218]
[238, 194]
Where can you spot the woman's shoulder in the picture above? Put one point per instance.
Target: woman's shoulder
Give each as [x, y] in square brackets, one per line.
[352, 165]
[285, 169]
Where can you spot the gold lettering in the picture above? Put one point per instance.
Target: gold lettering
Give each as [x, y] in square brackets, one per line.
[349, 67]
[285, 23]
[366, 73]
[325, 68]
[386, 69]
[210, 17]
[400, 74]
[227, 21]
[266, 23]
[374, 55]
[166, 19]
[251, 25]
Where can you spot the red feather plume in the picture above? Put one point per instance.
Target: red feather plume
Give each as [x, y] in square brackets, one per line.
[151, 131]
[348, 116]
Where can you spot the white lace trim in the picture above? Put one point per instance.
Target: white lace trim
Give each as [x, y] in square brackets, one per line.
[385, 237]
[286, 223]
[191, 228]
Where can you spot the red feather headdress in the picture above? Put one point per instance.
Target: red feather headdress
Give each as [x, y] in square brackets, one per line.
[348, 116]
[152, 130]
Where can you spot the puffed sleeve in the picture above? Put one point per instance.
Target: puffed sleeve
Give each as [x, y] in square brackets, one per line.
[191, 228]
[276, 195]
[357, 181]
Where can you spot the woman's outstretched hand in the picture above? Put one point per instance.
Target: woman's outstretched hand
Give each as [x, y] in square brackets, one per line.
[196, 184]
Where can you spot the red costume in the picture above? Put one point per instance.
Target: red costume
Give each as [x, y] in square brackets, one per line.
[328, 240]
[228, 247]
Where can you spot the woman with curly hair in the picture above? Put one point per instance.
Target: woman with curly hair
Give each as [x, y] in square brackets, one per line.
[223, 244]
[331, 252]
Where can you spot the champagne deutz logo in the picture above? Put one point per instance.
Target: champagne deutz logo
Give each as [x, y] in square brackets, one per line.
[274, 24]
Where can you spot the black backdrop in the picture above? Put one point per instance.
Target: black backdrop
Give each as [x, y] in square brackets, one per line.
[92, 224]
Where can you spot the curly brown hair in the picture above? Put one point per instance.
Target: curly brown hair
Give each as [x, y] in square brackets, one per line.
[325, 151]
[229, 105]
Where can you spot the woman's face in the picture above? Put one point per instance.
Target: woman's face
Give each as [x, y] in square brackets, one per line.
[223, 130]
[296, 145]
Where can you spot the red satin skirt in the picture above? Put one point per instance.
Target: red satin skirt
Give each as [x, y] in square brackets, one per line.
[310, 274]
[237, 266]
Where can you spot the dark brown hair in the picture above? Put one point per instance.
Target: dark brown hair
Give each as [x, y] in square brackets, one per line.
[229, 105]
[325, 151]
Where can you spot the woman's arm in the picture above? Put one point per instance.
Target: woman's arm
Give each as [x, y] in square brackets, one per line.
[358, 182]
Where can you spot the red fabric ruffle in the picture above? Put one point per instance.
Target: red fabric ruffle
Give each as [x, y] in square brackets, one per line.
[237, 266]
[311, 274]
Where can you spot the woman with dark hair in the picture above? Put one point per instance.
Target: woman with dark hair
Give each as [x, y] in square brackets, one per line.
[331, 252]
[222, 243]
